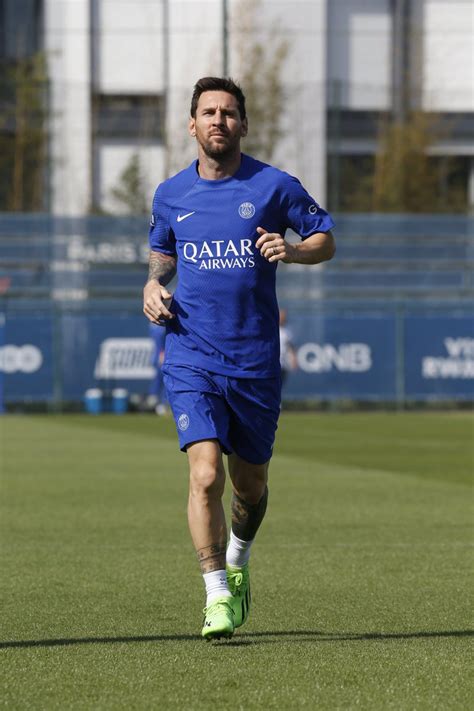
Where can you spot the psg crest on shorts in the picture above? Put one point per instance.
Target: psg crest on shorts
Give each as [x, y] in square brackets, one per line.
[183, 422]
[247, 210]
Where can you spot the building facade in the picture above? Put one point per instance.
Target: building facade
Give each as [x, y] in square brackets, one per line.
[120, 75]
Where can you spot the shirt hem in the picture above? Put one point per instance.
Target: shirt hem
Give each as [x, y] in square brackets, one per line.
[222, 369]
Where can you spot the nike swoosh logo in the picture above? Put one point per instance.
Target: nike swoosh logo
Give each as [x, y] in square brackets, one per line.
[180, 218]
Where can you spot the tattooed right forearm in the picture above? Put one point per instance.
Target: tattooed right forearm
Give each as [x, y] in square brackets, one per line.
[212, 557]
[161, 267]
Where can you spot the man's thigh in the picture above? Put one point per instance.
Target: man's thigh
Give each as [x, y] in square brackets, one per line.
[199, 408]
[242, 414]
[255, 409]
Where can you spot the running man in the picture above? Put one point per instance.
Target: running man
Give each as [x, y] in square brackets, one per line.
[221, 224]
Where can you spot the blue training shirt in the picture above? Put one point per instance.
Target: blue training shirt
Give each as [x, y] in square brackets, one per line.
[226, 312]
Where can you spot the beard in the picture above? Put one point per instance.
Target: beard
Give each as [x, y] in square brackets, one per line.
[220, 151]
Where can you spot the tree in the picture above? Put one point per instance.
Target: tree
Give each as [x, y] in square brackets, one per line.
[403, 179]
[23, 134]
[259, 67]
[130, 191]
[403, 176]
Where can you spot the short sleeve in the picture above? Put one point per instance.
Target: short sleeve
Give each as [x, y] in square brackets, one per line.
[161, 236]
[301, 212]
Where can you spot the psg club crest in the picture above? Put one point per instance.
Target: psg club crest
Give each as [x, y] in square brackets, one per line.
[247, 210]
[183, 422]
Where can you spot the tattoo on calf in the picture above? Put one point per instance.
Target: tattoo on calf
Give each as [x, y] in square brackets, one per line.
[246, 518]
[212, 557]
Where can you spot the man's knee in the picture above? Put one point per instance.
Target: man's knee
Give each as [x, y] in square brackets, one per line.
[206, 480]
[206, 472]
[249, 481]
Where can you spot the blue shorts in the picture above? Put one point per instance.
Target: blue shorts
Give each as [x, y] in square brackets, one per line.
[242, 413]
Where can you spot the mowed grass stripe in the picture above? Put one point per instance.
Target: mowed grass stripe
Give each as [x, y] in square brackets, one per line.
[360, 574]
[434, 446]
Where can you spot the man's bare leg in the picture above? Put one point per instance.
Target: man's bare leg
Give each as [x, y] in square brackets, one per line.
[249, 503]
[208, 530]
[249, 497]
[206, 516]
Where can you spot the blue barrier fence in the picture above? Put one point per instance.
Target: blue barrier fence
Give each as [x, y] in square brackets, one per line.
[389, 319]
[2, 376]
[364, 356]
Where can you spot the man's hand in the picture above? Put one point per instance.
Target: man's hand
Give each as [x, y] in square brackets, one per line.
[156, 300]
[274, 248]
[317, 248]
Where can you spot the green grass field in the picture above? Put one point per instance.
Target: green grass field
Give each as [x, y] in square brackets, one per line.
[361, 572]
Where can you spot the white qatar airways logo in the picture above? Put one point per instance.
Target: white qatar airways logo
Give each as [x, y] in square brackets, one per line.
[220, 254]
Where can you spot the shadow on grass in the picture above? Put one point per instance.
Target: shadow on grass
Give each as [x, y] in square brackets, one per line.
[242, 639]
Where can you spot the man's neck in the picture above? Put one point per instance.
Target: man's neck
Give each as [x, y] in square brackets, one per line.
[212, 169]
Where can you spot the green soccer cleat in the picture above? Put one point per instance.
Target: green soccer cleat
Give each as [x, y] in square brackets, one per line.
[238, 580]
[218, 619]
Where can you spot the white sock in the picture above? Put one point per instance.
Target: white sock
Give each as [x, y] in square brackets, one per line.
[238, 552]
[216, 585]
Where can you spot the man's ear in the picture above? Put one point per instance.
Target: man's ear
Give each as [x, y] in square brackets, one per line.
[192, 127]
[245, 127]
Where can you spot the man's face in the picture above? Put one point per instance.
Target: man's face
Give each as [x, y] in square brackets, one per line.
[217, 126]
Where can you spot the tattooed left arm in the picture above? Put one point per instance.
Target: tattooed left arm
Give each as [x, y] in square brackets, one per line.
[156, 297]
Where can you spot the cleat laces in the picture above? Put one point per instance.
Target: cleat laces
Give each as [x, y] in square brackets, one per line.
[237, 579]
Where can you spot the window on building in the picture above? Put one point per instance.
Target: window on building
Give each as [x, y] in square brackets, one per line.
[453, 180]
[351, 186]
[23, 107]
[350, 182]
[129, 116]
[345, 124]
[20, 28]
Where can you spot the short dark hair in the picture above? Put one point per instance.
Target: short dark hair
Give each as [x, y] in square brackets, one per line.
[218, 84]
